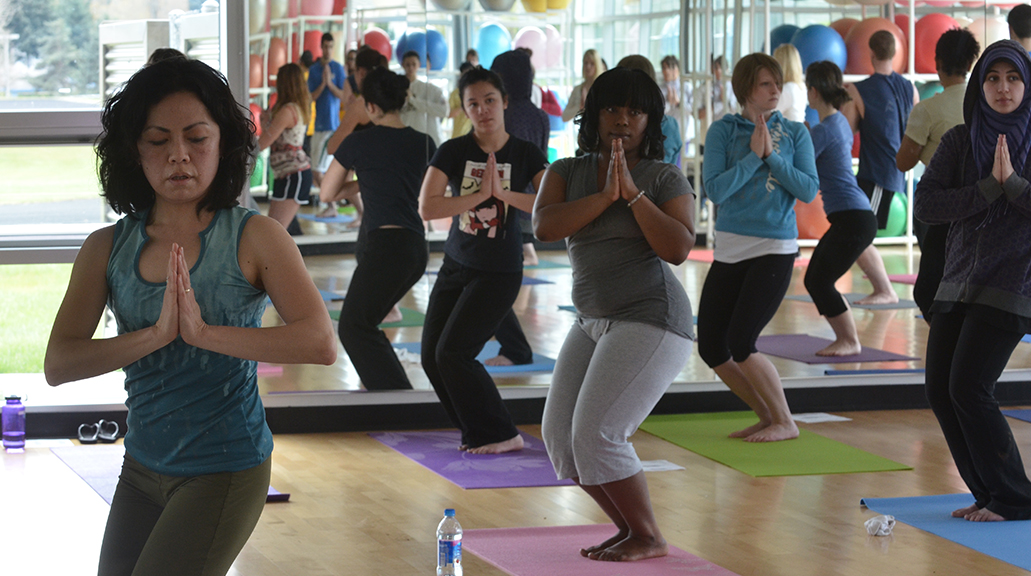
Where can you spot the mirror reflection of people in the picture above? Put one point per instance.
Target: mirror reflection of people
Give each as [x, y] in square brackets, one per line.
[426, 106]
[283, 130]
[978, 183]
[593, 65]
[481, 275]
[186, 273]
[624, 214]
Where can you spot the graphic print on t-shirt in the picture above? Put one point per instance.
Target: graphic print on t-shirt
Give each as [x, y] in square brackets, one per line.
[489, 216]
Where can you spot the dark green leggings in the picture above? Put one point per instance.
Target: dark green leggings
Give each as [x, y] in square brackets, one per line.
[181, 525]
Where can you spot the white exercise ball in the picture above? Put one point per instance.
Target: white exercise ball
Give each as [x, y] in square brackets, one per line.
[278, 9]
[452, 4]
[256, 11]
[989, 30]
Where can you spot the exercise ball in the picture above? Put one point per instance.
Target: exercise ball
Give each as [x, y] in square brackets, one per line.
[379, 41]
[871, 2]
[436, 49]
[339, 7]
[259, 166]
[558, 4]
[818, 42]
[492, 39]
[906, 3]
[858, 46]
[843, 26]
[400, 46]
[256, 73]
[256, 118]
[902, 21]
[987, 31]
[276, 58]
[535, 5]
[272, 100]
[313, 43]
[257, 10]
[557, 125]
[811, 220]
[497, 5]
[293, 8]
[963, 21]
[928, 89]
[782, 35]
[855, 145]
[553, 48]
[896, 218]
[452, 4]
[316, 8]
[533, 38]
[940, 3]
[925, 37]
[415, 41]
[277, 9]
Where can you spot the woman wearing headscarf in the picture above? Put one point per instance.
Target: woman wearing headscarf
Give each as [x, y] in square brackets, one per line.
[978, 182]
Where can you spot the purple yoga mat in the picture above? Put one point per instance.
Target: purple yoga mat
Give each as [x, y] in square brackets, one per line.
[99, 466]
[438, 451]
[556, 550]
[803, 347]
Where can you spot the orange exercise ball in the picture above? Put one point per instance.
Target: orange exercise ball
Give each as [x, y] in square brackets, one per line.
[257, 74]
[858, 46]
[811, 220]
[844, 26]
[276, 58]
[926, 34]
[256, 118]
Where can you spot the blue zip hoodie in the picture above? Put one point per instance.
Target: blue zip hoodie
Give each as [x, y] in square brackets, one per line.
[756, 197]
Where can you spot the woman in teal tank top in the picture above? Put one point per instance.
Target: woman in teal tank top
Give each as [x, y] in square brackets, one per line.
[186, 273]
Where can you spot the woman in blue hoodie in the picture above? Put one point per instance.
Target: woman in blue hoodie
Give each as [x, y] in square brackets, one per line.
[757, 164]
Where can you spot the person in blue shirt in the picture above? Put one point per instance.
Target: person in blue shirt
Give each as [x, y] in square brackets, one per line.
[326, 84]
[186, 273]
[757, 165]
[853, 224]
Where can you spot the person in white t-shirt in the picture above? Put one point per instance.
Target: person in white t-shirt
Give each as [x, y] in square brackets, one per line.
[793, 96]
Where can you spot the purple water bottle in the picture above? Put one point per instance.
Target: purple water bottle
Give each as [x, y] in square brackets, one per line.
[14, 424]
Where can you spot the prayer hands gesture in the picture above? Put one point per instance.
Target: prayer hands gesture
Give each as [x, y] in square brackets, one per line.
[618, 182]
[491, 184]
[180, 314]
[1002, 169]
[762, 142]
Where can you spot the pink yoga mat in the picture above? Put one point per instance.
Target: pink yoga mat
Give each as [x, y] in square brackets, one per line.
[555, 551]
[903, 278]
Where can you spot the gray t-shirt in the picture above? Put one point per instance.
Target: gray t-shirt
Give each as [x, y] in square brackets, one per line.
[616, 274]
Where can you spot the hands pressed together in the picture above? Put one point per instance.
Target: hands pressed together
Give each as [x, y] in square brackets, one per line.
[180, 314]
[762, 142]
[618, 182]
[491, 183]
[1002, 168]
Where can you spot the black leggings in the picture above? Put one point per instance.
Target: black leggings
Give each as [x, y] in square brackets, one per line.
[965, 356]
[737, 302]
[850, 233]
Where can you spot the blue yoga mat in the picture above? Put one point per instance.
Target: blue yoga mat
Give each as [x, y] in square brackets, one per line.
[527, 280]
[1024, 415]
[490, 350]
[1007, 541]
[339, 219]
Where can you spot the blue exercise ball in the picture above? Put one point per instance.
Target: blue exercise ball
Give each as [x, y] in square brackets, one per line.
[782, 35]
[415, 41]
[492, 39]
[436, 48]
[399, 47]
[817, 42]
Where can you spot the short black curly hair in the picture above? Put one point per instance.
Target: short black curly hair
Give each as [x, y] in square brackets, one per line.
[124, 185]
[623, 87]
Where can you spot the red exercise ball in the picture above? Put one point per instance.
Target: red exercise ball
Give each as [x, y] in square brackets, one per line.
[316, 8]
[379, 41]
[902, 21]
[339, 7]
[812, 221]
[844, 26]
[272, 100]
[313, 43]
[858, 46]
[276, 58]
[928, 30]
[256, 74]
[256, 118]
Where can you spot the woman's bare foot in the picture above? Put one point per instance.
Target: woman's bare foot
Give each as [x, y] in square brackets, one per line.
[984, 515]
[775, 433]
[749, 431]
[463, 447]
[329, 211]
[511, 445]
[962, 512]
[880, 298]
[499, 360]
[841, 348]
[393, 316]
[619, 537]
[632, 548]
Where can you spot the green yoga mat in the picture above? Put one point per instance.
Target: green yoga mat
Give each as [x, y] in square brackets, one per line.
[706, 434]
[409, 318]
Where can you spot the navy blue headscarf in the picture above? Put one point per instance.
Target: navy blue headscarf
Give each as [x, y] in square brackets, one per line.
[986, 124]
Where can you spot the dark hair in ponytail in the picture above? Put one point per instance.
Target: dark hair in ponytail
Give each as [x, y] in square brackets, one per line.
[825, 76]
[385, 89]
[956, 51]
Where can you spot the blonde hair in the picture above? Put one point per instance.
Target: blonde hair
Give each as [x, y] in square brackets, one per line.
[599, 64]
[790, 63]
[292, 88]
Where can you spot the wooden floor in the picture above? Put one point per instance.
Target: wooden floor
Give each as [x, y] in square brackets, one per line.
[358, 507]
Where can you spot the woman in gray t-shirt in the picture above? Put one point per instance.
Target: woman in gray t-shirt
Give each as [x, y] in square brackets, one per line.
[624, 214]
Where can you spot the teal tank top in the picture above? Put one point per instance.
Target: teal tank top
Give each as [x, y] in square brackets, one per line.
[191, 411]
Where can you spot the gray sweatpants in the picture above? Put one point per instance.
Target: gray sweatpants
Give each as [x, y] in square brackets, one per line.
[608, 377]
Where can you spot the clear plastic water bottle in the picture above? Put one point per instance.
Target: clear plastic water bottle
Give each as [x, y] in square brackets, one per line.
[449, 545]
[14, 425]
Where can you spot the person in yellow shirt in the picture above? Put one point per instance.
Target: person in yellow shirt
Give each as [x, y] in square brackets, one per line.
[461, 124]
